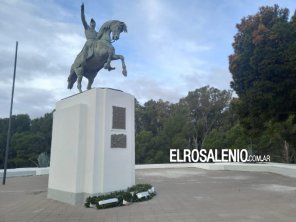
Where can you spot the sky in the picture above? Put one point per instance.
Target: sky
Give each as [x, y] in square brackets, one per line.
[172, 47]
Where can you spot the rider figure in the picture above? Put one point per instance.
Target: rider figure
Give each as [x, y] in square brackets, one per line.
[91, 36]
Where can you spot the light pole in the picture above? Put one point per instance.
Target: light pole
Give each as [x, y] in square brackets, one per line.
[9, 124]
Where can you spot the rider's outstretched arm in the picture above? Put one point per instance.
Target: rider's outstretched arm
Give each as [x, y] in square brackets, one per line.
[83, 17]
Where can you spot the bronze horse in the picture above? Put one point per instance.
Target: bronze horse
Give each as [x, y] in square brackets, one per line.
[102, 55]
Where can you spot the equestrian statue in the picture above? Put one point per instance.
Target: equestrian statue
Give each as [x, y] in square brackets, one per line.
[97, 52]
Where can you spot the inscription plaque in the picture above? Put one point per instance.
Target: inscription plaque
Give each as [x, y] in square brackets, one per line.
[118, 120]
[118, 141]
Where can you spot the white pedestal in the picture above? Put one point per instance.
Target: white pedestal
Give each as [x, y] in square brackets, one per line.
[93, 145]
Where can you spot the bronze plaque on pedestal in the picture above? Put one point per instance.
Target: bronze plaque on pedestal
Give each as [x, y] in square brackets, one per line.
[118, 141]
[118, 120]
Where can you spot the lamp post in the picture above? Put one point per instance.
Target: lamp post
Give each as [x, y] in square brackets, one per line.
[9, 123]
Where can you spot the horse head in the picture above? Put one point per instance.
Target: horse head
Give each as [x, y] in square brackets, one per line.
[114, 26]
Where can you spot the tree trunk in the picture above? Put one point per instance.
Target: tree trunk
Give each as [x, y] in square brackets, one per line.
[195, 142]
[286, 151]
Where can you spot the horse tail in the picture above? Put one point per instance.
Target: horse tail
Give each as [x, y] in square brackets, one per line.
[72, 78]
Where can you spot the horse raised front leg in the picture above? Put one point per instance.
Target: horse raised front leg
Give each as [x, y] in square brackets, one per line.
[107, 65]
[121, 57]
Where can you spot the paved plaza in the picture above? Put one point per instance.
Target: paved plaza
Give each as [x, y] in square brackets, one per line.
[183, 194]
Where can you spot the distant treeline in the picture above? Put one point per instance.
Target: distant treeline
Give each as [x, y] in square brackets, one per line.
[29, 139]
[205, 118]
[262, 119]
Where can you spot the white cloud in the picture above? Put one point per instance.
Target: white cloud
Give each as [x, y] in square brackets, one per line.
[171, 47]
[46, 50]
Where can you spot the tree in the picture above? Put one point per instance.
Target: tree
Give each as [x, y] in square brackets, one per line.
[263, 68]
[205, 107]
[152, 115]
[151, 142]
[43, 125]
[28, 139]
[27, 146]
[19, 123]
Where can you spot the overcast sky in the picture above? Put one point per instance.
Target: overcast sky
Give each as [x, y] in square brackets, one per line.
[172, 47]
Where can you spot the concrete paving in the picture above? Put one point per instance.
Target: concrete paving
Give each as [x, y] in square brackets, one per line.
[183, 194]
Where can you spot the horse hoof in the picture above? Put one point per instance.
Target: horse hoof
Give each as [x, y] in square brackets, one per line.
[106, 66]
[124, 72]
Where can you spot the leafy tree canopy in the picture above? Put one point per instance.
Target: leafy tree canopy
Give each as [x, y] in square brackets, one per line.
[263, 66]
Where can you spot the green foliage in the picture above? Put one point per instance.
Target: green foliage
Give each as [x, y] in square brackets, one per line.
[206, 118]
[216, 140]
[29, 138]
[143, 146]
[27, 146]
[19, 123]
[139, 188]
[263, 66]
[236, 139]
[152, 115]
[95, 200]
[165, 126]
[205, 107]
[130, 195]
[233, 138]
[264, 76]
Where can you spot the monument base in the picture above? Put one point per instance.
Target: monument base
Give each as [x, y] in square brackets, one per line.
[67, 197]
[93, 145]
